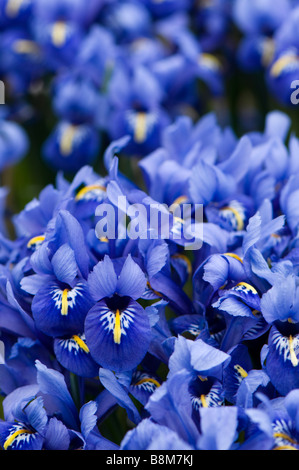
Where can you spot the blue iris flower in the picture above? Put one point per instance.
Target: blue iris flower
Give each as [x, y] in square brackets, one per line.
[279, 308]
[283, 414]
[205, 366]
[97, 63]
[43, 415]
[117, 328]
[14, 143]
[127, 20]
[59, 285]
[281, 70]
[189, 169]
[70, 146]
[59, 30]
[190, 61]
[22, 61]
[260, 16]
[26, 431]
[76, 98]
[19, 369]
[135, 101]
[15, 14]
[160, 280]
[14, 318]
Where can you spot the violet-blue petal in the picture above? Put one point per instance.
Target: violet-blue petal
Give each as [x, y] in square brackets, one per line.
[131, 281]
[57, 436]
[64, 264]
[102, 280]
[56, 396]
[132, 345]
[110, 383]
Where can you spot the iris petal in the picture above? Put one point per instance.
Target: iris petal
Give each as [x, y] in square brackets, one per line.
[143, 385]
[15, 436]
[74, 355]
[133, 335]
[60, 311]
[282, 364]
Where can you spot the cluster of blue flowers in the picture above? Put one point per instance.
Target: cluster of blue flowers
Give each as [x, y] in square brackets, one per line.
[143, 342]
[204, 343]
[106, 69]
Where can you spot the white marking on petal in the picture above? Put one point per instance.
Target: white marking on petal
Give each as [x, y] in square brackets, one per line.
[288, 349]
[71, 296]
[108, 320]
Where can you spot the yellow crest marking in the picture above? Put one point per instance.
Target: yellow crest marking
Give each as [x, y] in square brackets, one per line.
[64, 303]
[210, 61]
[153, 381]
[241, 371]
[117, 328]
[11, 438]
[35, 240]
[140, 128]
[268, 52]
[59, 33]
[294, 359]
[248, 287]
[67, 140]
[203, 401]
[281, 63]
[284, 436]
[81, 343]
[240, 223]
[13, 7]
[286, 447]
[233, 255]
[25, 46]
[88, 189]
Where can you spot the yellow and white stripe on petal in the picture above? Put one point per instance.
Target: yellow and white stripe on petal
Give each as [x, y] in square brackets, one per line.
[95, 191]
[141, 124]
[65, 299]
[18, 437]
[246, 288]
[75, 344]
[145, 383]
[59, 33]
[35, 242]
[288, 347]
[117, 323]
[209, 400]
[13, 8]
[283, 436]
[235, 214]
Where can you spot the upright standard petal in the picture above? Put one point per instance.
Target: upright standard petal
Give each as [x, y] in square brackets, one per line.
[131, 281]
[102, 280]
